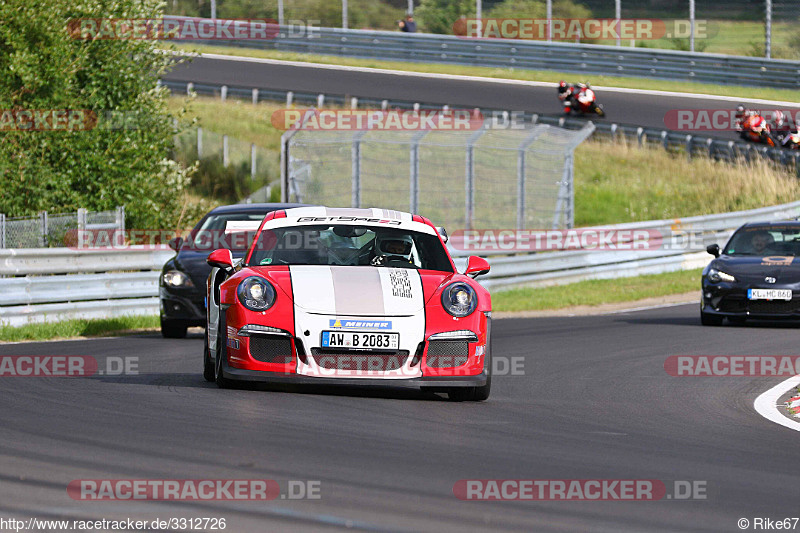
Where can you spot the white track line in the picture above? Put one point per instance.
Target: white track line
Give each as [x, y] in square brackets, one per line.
[500, 81]
[766, 406]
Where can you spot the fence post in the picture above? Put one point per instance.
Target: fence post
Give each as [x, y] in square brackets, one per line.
[768, 30]
[469, 178]
[223, 93]
[189, 88]
[289, 98]
[2, 231]
[523, 146]
[255, 96]
[120, 218]
[199, 142]
[356, 167]
[81, 225]
[344, 14]
[43, 229]
[225, 160]
[413, 202]
[320, 100]
[252, 161]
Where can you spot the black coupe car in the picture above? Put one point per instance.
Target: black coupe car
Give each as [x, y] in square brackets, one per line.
[756, 275]
[182, 286]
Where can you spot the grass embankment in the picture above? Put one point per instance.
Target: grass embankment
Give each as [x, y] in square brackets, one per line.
[78, 328]
[763, 92]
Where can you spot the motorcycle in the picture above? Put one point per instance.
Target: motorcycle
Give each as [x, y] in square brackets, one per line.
[792, 141]
[756, 129]
[588, 107]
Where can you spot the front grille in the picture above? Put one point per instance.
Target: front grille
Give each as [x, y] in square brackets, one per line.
[774, 307]
[758, 307]
[359, 359]
[444, 354]
[270, 349]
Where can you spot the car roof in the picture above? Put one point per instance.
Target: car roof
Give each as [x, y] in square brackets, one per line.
[775, 223]
[252, 208]
[357, 212]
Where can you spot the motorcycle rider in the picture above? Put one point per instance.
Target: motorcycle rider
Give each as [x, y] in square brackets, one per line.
[565, 94]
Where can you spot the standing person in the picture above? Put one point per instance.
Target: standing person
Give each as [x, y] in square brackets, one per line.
[408, 25]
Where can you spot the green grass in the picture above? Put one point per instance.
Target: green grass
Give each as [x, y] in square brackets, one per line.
[78, 328]
[764, 92]
[596, 292]
[620, 182]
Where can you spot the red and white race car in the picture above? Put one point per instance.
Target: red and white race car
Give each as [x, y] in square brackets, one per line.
[350, 297]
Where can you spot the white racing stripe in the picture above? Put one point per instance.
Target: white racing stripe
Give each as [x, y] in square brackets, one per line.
[357, 290]
[766, 403]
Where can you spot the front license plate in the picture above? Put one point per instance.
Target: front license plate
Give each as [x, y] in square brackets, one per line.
[367, 341]
[769, 294]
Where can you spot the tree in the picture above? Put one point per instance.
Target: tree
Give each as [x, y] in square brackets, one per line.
[438, 16]
[47, 68]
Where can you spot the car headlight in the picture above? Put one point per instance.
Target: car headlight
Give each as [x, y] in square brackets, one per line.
[459, 299]
[176, 279]
[256, 294]
[715, 276]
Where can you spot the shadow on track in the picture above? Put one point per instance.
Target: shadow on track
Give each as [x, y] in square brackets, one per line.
[196, 381]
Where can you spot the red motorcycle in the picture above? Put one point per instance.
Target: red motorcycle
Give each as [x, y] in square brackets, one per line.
[756, 129]
[581, 99]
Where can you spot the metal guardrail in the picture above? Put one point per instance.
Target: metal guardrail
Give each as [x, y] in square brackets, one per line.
[64, 283]
[550, 268]
[534, 55]
[129, 282]
[691, 145]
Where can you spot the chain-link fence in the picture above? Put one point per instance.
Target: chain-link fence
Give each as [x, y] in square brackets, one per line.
[481, 179]
[56, 230]
[229, 169]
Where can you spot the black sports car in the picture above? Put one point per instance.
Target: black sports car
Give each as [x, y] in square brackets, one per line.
[757, 275]
[182, 286]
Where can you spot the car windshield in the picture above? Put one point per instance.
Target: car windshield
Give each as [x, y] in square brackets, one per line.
[210, 233]
[765, 241]
[350, 245]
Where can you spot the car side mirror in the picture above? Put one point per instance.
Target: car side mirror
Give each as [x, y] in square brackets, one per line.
[477, 266]
[175, 243]
[222, 258]
[443, 233]
[713, 249]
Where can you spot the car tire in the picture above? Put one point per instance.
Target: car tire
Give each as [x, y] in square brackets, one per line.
[708, 319]
[208, 366]
[222, 353]
[171, 329]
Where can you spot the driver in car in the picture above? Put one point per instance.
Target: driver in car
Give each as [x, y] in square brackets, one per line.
[760, 241]
[392, 248]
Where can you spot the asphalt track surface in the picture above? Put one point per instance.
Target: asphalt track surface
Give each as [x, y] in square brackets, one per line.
[624, 107]
[594, 403]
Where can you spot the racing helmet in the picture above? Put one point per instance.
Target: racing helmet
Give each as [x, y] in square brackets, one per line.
[740, 109]
[779, 118]
[394, 246]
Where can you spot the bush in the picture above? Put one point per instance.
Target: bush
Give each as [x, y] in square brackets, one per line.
[45, 68]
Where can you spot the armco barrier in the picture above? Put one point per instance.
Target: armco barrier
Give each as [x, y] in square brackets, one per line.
[120, 282]
[534, 55]
[691, 144]
[53, 284]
